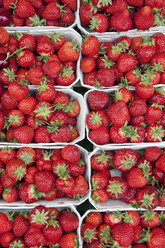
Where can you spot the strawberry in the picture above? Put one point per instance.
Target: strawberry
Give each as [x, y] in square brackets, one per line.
[58, 40]
[6, 238]
[100, 135]
[136, 178]
[80, 187]
[66, 76]
[24, 9]
[67, 16]
[130, 195]
[77, 169]
[52, 231]
[43, 111]
[6, 180]
[98, 100]
[27, 40]
[160, 163]
[52, 68]
[25, 58]
[86, 12]
[100, 162]
[116, 6]
[126, 62]
[144, 90]
[4, 36]
[90, 46]
[27, 105]
[94, 218]
[99, 23]
[16, 169]
[99, 195]
[112, 219]
[17, 91]
[61, 134]
[159, 60]
[155, 133]
[68, 221]
[51, 12]
[154, 113]
[69, 240]
[125, 159]
[149, 219]
[39, 217]
[154, 3]
[123, 234]
[7, 154]
[34, 238]
[99, 180]
[146, 50]
[42, 135]
[156, 238]
[44, 181]
[71, 153]
[35, 75]
[88, 232]
[23, 134]
[5, 223]
[132, 218]
[118, 113]
[105, 77]
[104, 233]
[20, 226]
[138, 107]
[87, 64]
[29, 193]
[65, 183]
[10, 194]
[147, 199]
[137, 3]
[16, 118]
[69, 52]
[118, 135]
[121, 21]
[17, 242]
[116, 188]
[144, 18]
[95, 119]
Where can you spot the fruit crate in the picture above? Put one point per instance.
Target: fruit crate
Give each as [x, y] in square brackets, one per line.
[112, 37]
[70, 35]
[59, 201]
[86, 30]
[80, 118]
[44, 27]
[111, 144]
[110, 204]
[82, 221]
[5, 209]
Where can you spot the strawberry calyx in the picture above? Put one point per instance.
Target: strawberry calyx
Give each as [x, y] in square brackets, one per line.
[159, 19]
[137, 71]
[148, 216]
[158, 67]
[105, 235]
[117, 49]
[108, 62]
[77, 197]
[35, 193]
[97, 84]
[156, 105]
[40, 217]
[10, 74]
[133, 134]
[59, 106]
[115, 244]
[147, 40]
[94, 23]
[157, 133]
[145, 168]
[124, 83]
[147, 200]
[89, 234]
[36, 21]
[114, 187]
[53, 127]
[75, 46]
[16, 244]
[95, 184]
[103, 158]
[118, 95]
[6, 191]
[70, 107]
[62, 171]
[43, 110]
[26, 157]
[10, 215]
[128, 162]
[56, 37]
[61, 7]
[160, 90]
[20, 172]
[95, 198]
[95, 118]
[44, 57]
[104, 3]
[43, 86]
[66, 72]
[47, 154]
[145, 236]
[18, 35]
[77, 245]
[52, 221]
[127, 218]
[161, 218]
[123, 45]
[102, 49]
[14, 119]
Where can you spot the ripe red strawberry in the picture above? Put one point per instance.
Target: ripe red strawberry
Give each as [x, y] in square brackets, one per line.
[94, 218]
[105, 77]
[71, 153]
[118, 113]
[7, 154]
[99, 23]
[125, 159]
[20, 226]
[86, 12]
[4, 36]
[99, 180]
[52, 231]
[80, 188]
[65, 184]
[25, 58]
[121, 21]
[17, 91]
[137, 3]
[136, 178]
[27, 105]
[35, 75]
[149, 219]
[17, 242]
[98, 100]
[77, 169]
[5, 223]
[130, 195]
[6, 238]
[2, 119]
[144, 18]
[96, 119]
[138, 107]
[160, 163]
[112, 219]
[126, 62]
[123, 234]
[154, 113]
[44, 181]
[69, 240]
[10, 194]
[68, 221]
[16, 118]
[155, 133]
[159, 59]
[34, 238]
[88, 232]
[100, 162]
[24, 9]
[27, 155]
[147, 199]
[39, 217]
[45, 47]
[69, 52]
[118, 135]
[156, 238]
[124, 95]
[42, 135]
[23, 134]
[99, 195]
[27, 40]
[7, 181]
[87, 64]
[66, 76]
[52, 68]
[90, 46]
[61, 134]
[116, 188]
[132, 218]
[144, 90]
[67, 16]
[29, 193]
[16, 169]
[100, 135]
[51, 12]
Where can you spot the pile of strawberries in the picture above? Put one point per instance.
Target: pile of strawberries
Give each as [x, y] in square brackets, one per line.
[31, 174]
[139, 178]
[37, 60]
[121, 15]
[33, 13]
[124, 229]
[126, 61]
[39, 227]
[126, 116]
